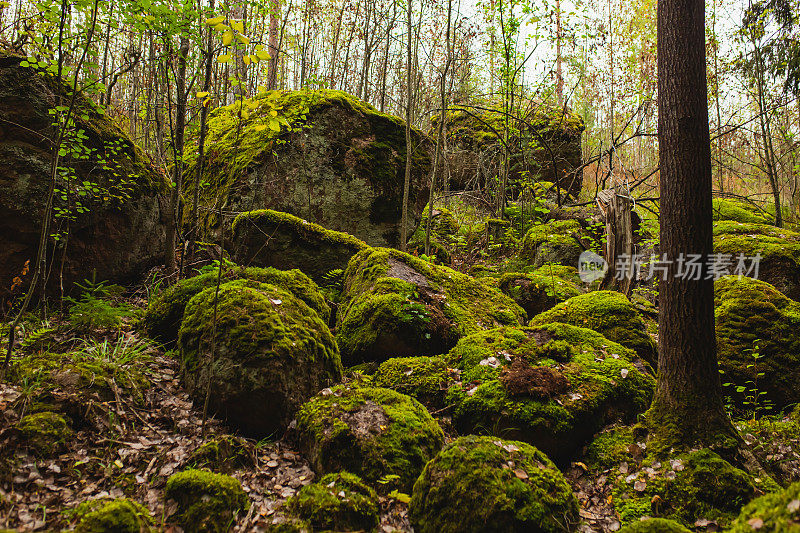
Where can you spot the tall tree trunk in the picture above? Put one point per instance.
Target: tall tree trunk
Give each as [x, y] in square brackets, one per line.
[559, 75]
[687, 407]
[272, 46]
[180, 126]
[409, 103]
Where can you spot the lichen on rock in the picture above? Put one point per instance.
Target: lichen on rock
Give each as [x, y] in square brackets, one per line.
[370, 431]
[484, 484]
[611, 314]
[397, 305]
[271, 352]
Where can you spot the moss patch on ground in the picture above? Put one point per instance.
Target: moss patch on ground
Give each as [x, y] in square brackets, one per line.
[484, 484]
[112, 516]
[207, 502]
[338, 502]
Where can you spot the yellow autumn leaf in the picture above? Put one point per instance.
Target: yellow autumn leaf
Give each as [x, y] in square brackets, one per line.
[202, 94]
[237, 25]
[246, 59]
[262, 54]
[214, 21]
[243, 38]
[227, 38]
[224, 58]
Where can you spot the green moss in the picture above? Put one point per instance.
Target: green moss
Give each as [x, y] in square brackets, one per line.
[557, 241]
[164, 314]
[207, 502]
[112, 516]
[654, 525]
[597, 393]
[725, 209]
[423, 378]
[370, 431]
[223, 454]
[752, 313]
[271, 353]
[778, 512]
[444, 233]
[340, 502]
[45, 434]
[398, 305]
[609, 313]
[478, 484]
[537, 292]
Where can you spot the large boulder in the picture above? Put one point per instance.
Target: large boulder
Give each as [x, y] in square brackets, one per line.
[539, 291]
[484, 484]
[337, 502]
[611, 314]
[776, 512]
[164, 314]
[779, 249]
[323, 156]
[107, 188]
[739, 211]
[553, 386]
[376, 433]
[758, 342]
[398, 305]
[547, 144]
[274, 239]
[267, 353]
[556, 241]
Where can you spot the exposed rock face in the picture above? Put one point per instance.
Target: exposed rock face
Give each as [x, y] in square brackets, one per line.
[549, 144]
[107, 187]
[324, 156]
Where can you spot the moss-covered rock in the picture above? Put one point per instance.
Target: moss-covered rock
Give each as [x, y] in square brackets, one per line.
[682, 485]
[484, 484]
[654, 525]
[370, 431]
[338, 502]
[322, 155]
[758, 340]
[552, 386]
[777, 512]
[423, 378]
[779, 249]
[537, 292]
[444, 231]
[164, 314]
[112, 516]
[207, 502]
[547, 144]
[272, 352]
[45, 433]
[398, 305]
[223, 454]
[274, 239]
[611, 314]
[108, 187]
[557, 241]
[727, 209]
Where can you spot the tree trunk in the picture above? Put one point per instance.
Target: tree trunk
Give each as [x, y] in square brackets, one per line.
[409, 102]
[616, 208]
[687, 407]
[272, 45]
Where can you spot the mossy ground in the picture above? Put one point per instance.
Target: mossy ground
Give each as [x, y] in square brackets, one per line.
[478, 484]
[112, 516]
[44, 433]
[604, 385]
[207, 502]
[370, 431]
[609, 313]
[339, 502]
[775, 512]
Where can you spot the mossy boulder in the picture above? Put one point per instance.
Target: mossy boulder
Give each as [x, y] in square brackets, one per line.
[547, 143]
[164, 314]
[337, 502]
[484, 484]
[322, 155]
[537, 292]
[654, 525]
[444, 232]
[611, 314]
[779, 249]
[108, 188]
[112, 516]
[271, 353]
[397, 305]
[369, 431]
[274, 239]
[777, 512]
[557, 241]
[223, 454]
[553, 386]
[423, 378]
[45, 434]
[738, 211]
[207, 502]
[678, 484]
[758, 340]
